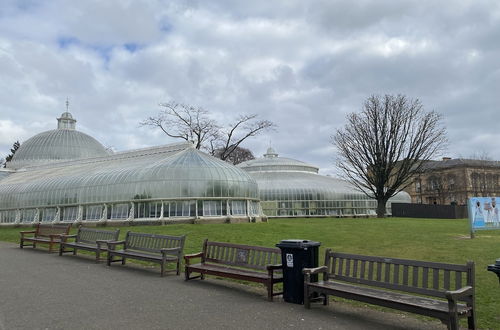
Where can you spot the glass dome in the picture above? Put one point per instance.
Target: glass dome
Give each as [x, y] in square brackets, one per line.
[288, 187]
[63, 143]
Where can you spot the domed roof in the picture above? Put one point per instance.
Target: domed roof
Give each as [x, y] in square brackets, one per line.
[271, 162]
[170, 172]
[63, 143]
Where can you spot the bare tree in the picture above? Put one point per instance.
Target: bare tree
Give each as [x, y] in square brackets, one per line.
[185, 122]
[384, 145]
[194, 124]
[235, 133]
[239, 155]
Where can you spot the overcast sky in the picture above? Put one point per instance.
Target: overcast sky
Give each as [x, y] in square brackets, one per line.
[302, 64]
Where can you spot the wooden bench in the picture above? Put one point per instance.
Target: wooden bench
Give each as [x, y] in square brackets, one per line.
[427, 288]
[88, 239]
[44, 234]
[243, 262]
[159, 249]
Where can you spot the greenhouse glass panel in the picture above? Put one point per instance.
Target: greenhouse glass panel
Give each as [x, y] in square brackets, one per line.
[93, 212]
[28, 216]
[8, 216]
[69, 213]
[238, 207]
[212, 208]
[48, 214]
[119, 211]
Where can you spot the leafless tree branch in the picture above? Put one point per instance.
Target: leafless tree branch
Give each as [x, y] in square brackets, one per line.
[381, 147]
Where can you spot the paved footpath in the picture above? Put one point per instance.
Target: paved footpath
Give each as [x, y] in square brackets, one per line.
[39, 290]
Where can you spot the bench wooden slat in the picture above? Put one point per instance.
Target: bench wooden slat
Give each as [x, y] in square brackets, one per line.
[396, 274]
[458, 280]
[415, 276]
[387, 274]
[379, 270]
[405, 274]
[435, 278]
[447, 279]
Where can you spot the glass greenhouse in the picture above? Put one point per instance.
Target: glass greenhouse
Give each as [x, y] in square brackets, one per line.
[65, 175]
[291, 188]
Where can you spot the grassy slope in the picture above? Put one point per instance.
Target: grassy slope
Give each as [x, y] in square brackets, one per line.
[422, 239]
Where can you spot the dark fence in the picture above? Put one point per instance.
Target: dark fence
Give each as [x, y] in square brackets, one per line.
[429, 211]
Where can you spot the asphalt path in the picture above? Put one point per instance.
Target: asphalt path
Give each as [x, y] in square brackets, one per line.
[39, 290]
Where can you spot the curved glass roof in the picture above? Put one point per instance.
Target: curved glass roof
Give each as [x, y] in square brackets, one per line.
[170, 172]
[271, 162]
[63, 143]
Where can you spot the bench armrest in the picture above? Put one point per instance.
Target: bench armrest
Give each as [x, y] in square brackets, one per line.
[317, 270]
[187, 257]
[27, 232]
[112, 244]
[100, 242]
[53, 236]
[457, 294]
[65, 237]
[274, 267]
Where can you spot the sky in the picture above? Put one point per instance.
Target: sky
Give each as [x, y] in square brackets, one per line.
[304, 65]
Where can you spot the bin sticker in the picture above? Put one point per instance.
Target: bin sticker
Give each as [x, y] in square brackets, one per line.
[289, 260]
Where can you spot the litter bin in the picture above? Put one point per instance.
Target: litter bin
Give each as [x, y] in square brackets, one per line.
[297, 254]
[495, 268]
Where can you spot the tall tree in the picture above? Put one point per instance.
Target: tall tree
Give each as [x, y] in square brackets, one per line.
[385, 144]
[194, 124]
[13, 150]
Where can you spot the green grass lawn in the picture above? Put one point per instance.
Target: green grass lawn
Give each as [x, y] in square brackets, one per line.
[422, 239]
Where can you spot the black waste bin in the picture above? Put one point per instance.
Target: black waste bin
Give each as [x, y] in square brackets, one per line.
[297, 254]
[495, 268]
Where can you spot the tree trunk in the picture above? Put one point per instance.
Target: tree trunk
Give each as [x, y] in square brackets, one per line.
[381, 208]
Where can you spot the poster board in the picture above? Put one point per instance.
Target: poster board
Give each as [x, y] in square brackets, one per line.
[484, 213]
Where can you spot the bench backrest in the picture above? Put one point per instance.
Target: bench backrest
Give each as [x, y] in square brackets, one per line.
[44, 230]
[421, 277]
[239, 255]
[153, 243]
[91, 235]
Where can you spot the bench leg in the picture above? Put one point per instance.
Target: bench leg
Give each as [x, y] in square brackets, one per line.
[471, 321]
[269, 291]
[186, 274]
[74, 251]
[307, 301]
[162, 269]
[110, 258]
[452, 316]
[123, 261]
[61, 249]
[178, 267]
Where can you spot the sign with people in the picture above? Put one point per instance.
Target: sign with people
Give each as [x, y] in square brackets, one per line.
[483, 213]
